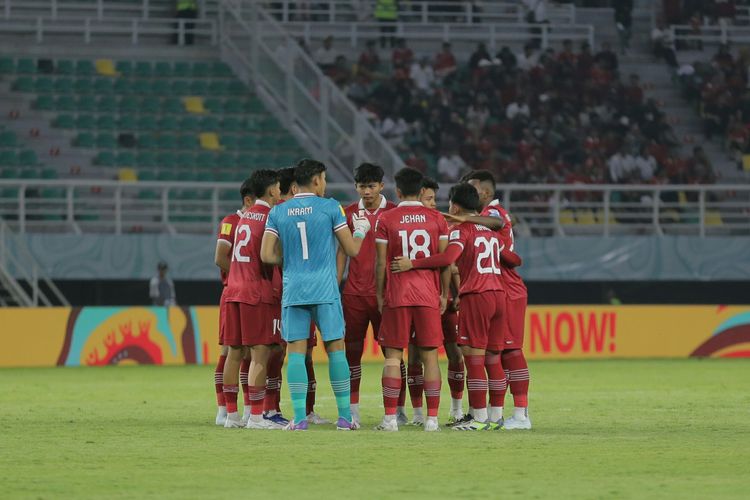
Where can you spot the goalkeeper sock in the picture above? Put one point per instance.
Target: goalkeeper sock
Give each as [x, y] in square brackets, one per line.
[338, 371]
[296, 375]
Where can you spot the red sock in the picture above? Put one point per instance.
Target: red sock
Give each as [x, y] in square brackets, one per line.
[456, 379]
[230, 396]
[497, 381]
[476, 381]
[219, 380]
[391, 391]
[354, 357]
[402, 390]
[257, 395]
[432, 395]
[273, 371]
[415, 379]
[244, 368]
[311, 386]
[518, 376]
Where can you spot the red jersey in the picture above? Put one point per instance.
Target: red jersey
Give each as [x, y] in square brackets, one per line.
[414, 231]
[512, 281]
[361, 280]
[226, 233]
[249, 279]
[479, 264]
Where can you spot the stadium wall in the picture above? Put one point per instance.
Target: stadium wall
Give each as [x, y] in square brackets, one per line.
[621, 258]
[99, 336]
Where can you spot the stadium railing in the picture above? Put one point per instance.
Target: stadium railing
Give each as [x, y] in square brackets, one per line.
[99, 9]
[291, 84]
[712, 34]
[492, 34]
[92, 205]
[135, 30]
[337, 11]
[22, 280]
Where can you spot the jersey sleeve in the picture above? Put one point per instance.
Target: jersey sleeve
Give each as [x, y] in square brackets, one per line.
[442, 228]
[338, 216]
[271, 223]
[381, 231]
[226, 230]
[457, 236]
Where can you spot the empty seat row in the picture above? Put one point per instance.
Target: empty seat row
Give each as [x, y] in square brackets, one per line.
[202, 161]
[25, 158]
[245, 142]
[124, 86]
[140, 69]
[28, 173]
[146, 105]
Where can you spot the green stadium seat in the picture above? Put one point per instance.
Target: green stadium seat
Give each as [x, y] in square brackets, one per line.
[180, 87]
[85, 122]
[199, 87]
[185, 160]
[103, 86]
[85, 140]
[254, 105]
[140, 87]
[201, 70]
[212, 104]
[187, 142]
[150, 104]
[247, 142]
[172, 105]
[23, 84]
[44, 85]
[225, 160]
[209, 124]
[217, 88]
[190, 124]
[105, 159]
[146, 174]
[85, 67]
[26, 66]
[146, 159]
[44, 103]
[83, 86]
[146, 141]
[123, 86]
[64, 121]
[6, 66]
[231, 124]
[225, 177]
[127, 122]
[106, 141]
[128, 104]
[146, 123]
[168, 123]
[205, 160]
[27, 158]
[64, 86]
[166, 175]
[236, 87]
[246, 161]
[160, 88]
[106, 104]
[65, 67]
[232, 105]
[29, 173]
[8, 139]
[143, 69]
[286, 142]
[228, 141]
[163, 69]
[125, 159]
[8, 173]
[205, 177]
[166, 160]
[125, 68]
[166, 141]
[86, 103]
[65, 103]
[9, 158]
[106, 122]
[49, 173]
[181, 69]
[221, 70]
[147, 194]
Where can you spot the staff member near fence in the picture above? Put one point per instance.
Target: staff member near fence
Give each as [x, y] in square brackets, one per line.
[161, 288]
[186, 9]
[386, 12]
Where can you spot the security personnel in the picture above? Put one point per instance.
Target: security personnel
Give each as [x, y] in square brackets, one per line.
[386, 12]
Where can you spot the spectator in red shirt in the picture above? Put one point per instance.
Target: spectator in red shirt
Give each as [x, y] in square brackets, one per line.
[445, 61]
[402, 55]
[368, 65]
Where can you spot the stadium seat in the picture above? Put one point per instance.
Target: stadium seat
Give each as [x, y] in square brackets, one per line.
[29, 173]
[206, 161]
[187, 142]
[147, 194]
[85, 67]
[221, 70]
[143, 69]
[86, 103]
[128, 104]
[83, 86]
[85, 140]
[146, 174]
[199, 87]
[231, 124]
[200, 70]
[146, 123]
[168, 123]
[63, 86]
[209, 124]
[122, 87]
[185, 160]
[27, 158]
[8, 139]
[106, 104]
[105, 67]
[85, 122]
[161, 88]
[162, 69]
[106, 141]
[23, 84]
[181, 69]
[217, 88]
[140, 87]
[106, 122]
[65, 103]
[166, 160]
[194, 105]
[146, 141]
[150, 104]
[125, 159]
[103, 86]
[64, 121]
[172, 105]
[190, 124]
[8, 173]
[127, 175]
[125, 68]
[228, 142]
[585, 217]
[247, 142]
[65, 67]
[146, 159]
[6, 66]
[9, 158]
[599, 216]
[26, 66]
[210, 140]
[44, 103]
[213, 104]
[166, 141]
[746, 163]
[236, 87]
[567, 217]
[49, 173]
[44, 85]
[165, 175]
[713, 218]
[105, 159]
[180, 87]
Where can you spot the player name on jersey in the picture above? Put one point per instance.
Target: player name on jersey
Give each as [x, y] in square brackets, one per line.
[413, 219]
[260, 217]
[298, 211]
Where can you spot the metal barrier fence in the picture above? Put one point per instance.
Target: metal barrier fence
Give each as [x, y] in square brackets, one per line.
[713, 34]
[99, 9]
[540, 210]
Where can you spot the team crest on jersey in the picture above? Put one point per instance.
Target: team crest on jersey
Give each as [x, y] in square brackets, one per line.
[226, 229]
[455, 234]
[494, 213]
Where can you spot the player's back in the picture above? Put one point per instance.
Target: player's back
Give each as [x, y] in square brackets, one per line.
[249, 279]
[514, 285]
[413, 231]
[305, 225]
[479, 264]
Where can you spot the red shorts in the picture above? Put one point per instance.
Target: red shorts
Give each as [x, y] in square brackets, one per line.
[449, 321]
[482, 323]
[222, 317]
[516, 314]
[359, 312]
[398, 323]
[247, 324]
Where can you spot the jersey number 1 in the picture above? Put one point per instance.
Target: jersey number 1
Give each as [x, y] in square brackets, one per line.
[303, 239]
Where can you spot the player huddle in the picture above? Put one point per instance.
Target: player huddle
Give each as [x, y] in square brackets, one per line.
[420, 283]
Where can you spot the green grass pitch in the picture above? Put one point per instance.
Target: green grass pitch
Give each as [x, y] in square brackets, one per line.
[602, 429]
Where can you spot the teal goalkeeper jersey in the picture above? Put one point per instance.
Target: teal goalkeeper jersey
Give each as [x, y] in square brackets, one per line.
[305, 225]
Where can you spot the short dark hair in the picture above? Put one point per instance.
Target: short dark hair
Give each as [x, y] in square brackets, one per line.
[481, 176]
[262, 179]
[246, 189]
[286, 177]
[464, 195]
[306, 169]
[368, 172]
[430, 183]
[409, 181]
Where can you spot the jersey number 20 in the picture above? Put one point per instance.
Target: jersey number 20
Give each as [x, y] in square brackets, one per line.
[488, 259]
